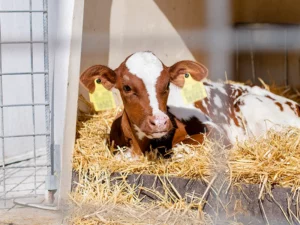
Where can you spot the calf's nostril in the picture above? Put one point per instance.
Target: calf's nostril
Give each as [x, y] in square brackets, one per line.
[152, 122]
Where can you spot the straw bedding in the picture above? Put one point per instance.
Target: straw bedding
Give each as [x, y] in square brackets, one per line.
[93, 154]
[95, 163]
[271, 160]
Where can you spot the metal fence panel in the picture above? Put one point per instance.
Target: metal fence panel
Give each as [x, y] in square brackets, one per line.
[25, 113]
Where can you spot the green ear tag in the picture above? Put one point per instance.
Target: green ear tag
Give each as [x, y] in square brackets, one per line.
[192, 90]
[102, 98]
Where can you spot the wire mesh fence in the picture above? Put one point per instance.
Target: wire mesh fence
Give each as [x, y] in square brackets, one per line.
[24, 100]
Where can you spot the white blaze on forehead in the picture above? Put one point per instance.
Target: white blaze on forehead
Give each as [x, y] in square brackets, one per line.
[126, 77]
[147, 67]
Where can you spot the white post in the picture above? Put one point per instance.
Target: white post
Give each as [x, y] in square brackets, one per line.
[66, 69]
[219, 18]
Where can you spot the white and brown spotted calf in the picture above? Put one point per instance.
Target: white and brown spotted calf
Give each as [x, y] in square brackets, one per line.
[154, 114]
[236, 111]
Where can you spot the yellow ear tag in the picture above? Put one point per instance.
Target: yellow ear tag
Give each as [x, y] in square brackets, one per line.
[102, 98]
[192, 90]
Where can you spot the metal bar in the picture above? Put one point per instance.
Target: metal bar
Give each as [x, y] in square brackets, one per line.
[22, 190]
[53, 147]
[252, 59]
[32, 92]
[46, 81]
[30, 190]
[237, 56]
[16, 191]
[286, 69]
[25, 196]
[14, 172]
[298, 66]
[261, 26]
[26, 182]
[23, 11]
[24, 135]
[24, 105]
[2, 119]
[50, 146]
[27, 166]
[21, 42]
[21, 163]
[23, 73]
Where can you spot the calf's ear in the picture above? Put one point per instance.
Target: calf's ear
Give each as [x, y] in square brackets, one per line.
[179, 69]
[104, 75]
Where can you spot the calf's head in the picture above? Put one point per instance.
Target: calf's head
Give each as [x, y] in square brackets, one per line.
[143, 81]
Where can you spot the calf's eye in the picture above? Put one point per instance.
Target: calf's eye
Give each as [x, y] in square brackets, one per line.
[126, 88]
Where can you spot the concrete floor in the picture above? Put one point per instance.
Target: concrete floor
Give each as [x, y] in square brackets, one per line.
[30, 216]
[22, 182]
[21, 178]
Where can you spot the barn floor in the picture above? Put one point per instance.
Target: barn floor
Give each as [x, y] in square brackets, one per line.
[30, 216]
[22, 181]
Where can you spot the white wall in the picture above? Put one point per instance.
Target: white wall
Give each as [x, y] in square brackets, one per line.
[173, 29]
[115, 29]
[139, 26]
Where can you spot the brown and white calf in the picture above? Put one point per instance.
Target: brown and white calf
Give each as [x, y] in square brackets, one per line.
[236, 111]
[155, 115]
